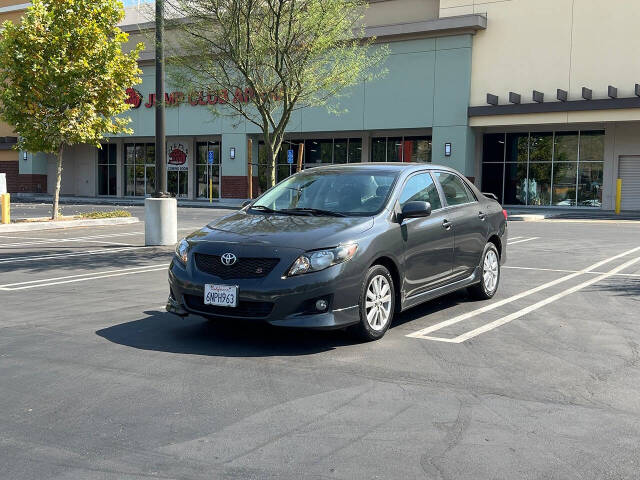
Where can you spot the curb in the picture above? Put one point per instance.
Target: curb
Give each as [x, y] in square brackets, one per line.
[34, 226]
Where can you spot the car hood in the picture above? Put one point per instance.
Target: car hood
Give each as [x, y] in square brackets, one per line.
[303, 232]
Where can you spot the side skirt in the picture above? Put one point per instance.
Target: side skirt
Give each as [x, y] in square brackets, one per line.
[440, 291]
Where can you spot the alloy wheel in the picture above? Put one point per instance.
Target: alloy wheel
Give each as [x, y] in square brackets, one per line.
[490, 271]
[378, 303]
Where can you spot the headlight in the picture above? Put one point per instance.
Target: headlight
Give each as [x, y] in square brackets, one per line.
[321, 259]
[182, 248]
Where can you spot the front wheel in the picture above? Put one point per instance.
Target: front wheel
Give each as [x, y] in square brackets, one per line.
[377, 304]
[488, 286]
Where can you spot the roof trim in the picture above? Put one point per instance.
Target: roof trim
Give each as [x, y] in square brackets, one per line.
[556, 107]
[440, 25]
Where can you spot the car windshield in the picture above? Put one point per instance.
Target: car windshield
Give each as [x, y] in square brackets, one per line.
[340, 193]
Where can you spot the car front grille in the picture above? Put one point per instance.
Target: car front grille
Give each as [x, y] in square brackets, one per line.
[243, 268]
[245, 309]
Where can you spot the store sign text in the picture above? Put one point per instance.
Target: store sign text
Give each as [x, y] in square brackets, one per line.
[221, 97]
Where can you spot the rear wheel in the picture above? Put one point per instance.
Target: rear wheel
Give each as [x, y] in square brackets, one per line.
[377, 304]
[488, 285]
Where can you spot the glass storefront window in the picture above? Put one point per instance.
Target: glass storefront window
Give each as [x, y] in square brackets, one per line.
[340, 152]
[590, 184]
[561, 168]
[379, 149]
[517, 147]
[564, 184]
[493, 149]
[541, 147]
[565, 147]
[515, 183]
[493, 179]
[417, 149]
[401, 149]
[355, 150]
[107, 170]
[539, 184]
[316, 151]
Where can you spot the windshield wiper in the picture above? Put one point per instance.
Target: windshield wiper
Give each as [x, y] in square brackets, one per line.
[263, 208]
[315, 211]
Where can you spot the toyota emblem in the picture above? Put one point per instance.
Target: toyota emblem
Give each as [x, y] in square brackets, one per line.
[228, 259]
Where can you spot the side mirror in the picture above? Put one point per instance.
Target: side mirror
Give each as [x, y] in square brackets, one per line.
[415, 210]
[246, 203]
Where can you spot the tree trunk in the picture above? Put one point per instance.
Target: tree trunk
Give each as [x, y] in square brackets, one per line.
[271, 163]
[56, 193]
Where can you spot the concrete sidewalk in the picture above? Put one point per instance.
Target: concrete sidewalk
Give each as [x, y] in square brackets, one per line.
[578, 214]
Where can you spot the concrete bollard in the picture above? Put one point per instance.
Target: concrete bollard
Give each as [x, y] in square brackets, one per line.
[160, 221]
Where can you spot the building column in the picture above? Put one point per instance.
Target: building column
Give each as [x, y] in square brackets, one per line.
[233, 171]
[366, 147]
[462, 140]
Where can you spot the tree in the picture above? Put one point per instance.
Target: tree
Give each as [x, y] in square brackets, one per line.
[63, 76]
[264, 59]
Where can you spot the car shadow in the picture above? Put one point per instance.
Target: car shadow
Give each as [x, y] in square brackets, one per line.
[165, 332]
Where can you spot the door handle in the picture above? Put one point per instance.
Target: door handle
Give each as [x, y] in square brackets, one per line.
[446, 224]
[482, 216]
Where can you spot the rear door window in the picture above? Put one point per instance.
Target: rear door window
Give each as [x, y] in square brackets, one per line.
[454, 189]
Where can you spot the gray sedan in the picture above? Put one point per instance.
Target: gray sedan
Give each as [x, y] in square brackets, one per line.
[343, 246]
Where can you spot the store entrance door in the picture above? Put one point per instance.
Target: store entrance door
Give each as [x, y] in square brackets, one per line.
[208, 170]
[178, 169]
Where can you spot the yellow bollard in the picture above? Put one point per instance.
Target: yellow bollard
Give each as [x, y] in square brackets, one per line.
[5, 203]
[618, 195]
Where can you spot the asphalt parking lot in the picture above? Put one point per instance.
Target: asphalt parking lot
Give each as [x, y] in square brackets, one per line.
[97, 381]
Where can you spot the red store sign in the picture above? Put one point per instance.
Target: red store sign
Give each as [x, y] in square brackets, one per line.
[135, 98]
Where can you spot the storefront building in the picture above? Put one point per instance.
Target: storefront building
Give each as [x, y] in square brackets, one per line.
[554, 101]
[535, 100]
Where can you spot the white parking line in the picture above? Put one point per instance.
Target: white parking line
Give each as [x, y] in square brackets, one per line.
[102, 251]
[520, 313]
[568, 271]
[522, 241]
[82, 277]
[88, 239]
[423, 333]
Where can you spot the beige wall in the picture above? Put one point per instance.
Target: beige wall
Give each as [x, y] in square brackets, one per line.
[550, 44]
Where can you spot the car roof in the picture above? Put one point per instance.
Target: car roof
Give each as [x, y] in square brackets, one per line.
[394, 167]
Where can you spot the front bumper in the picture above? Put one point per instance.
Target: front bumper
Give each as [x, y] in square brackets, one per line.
[285, 302]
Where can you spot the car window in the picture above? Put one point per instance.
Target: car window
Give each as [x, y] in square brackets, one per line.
[357, 192]
[421, 188]
[455, 191]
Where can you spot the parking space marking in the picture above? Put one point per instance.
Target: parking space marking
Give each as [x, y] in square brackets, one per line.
[423, 333]
[520, 313]
[82, 277]
[31, 258]
[521, 241]
[88, 239]
[568, 271]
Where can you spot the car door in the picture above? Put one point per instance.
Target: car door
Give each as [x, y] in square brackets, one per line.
[469, 224]
[428, 241]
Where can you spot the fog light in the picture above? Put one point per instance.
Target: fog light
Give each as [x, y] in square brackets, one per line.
[321, 305]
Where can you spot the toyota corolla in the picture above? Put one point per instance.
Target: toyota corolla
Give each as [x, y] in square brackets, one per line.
[343, 246]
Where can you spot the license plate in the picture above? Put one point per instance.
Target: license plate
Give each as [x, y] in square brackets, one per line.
[221, 295]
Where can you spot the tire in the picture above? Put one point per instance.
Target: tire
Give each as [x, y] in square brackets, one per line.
[375, 314]
[490, 265]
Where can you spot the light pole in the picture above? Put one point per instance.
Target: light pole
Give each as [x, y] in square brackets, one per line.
[161, 211]
[161, 144]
